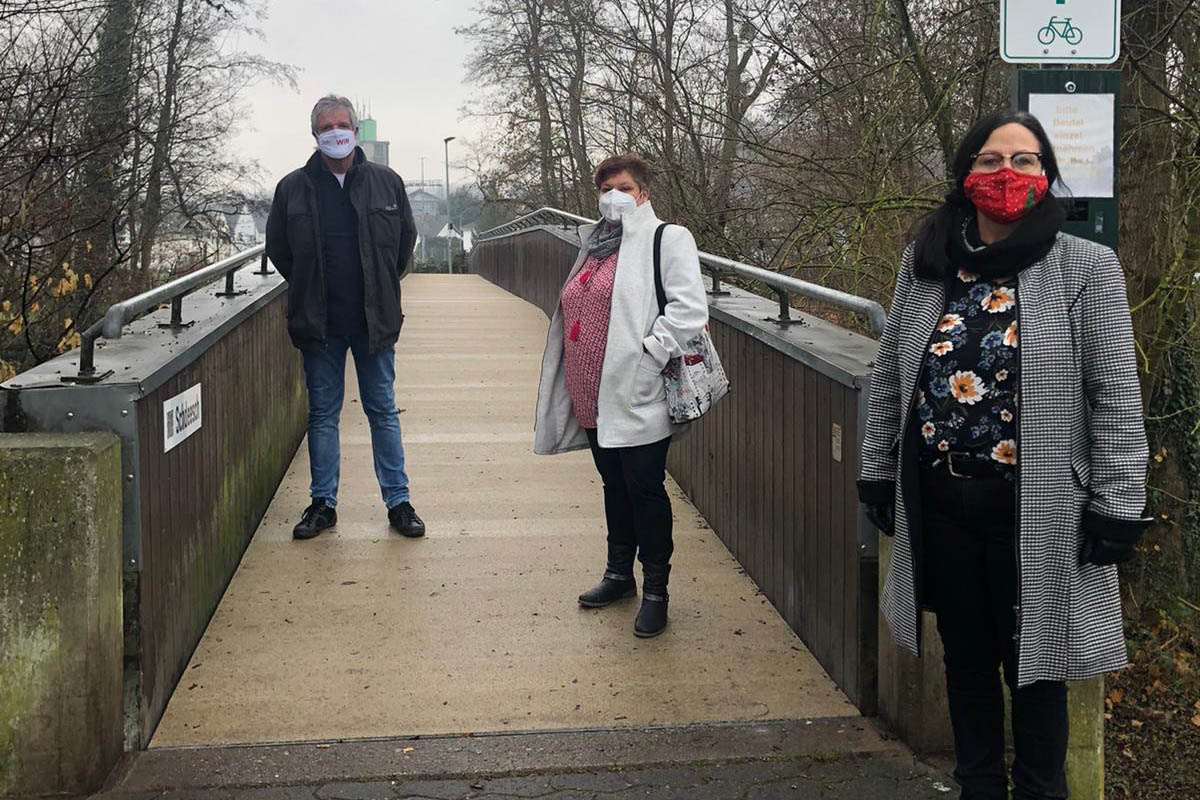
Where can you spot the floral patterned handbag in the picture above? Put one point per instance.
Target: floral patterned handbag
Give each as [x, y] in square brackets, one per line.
[696, 380]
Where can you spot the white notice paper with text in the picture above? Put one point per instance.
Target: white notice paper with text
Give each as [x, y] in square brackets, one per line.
[1080, 127]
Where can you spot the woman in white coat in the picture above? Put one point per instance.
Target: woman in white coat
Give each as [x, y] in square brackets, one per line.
[602, 384]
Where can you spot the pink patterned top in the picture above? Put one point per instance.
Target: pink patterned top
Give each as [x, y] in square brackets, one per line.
[586, 306]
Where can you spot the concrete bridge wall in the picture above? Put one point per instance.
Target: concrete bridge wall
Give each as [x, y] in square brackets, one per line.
[60, 612]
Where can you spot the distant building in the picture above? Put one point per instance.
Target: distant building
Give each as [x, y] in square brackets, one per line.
[247, 227]
[423, 202]
[431, 186]
[428, 216]
[375, 150]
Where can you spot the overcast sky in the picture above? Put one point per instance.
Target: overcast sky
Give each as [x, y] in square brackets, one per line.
[399, 58]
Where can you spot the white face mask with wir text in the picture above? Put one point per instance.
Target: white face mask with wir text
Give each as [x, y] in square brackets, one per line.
[614, 204]
[337, 143]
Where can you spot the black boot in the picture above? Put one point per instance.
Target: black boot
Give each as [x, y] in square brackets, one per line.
[652, 617]
[608, 591]
[316, 518]
[617, 583]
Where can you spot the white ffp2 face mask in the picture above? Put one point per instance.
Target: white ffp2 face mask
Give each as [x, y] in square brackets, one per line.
[337, 143]
[614, 204]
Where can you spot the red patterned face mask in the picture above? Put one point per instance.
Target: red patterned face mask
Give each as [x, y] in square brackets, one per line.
[1007, 195]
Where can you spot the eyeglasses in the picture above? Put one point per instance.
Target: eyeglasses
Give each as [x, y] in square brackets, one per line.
[1028, 163]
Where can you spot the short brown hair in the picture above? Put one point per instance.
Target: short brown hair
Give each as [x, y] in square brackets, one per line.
[632, 163]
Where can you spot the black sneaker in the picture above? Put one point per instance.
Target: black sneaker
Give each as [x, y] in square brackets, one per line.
[405, 520]
[315, 519]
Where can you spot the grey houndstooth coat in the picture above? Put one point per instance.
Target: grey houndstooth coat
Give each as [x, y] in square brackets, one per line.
[1082, 451]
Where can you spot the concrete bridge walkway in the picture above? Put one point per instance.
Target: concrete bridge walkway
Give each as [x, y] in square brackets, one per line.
[361, 633]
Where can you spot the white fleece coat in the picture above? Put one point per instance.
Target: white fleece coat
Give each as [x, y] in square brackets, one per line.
[632, 407]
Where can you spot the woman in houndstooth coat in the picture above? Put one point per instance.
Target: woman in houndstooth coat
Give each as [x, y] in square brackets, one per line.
[1005, 451]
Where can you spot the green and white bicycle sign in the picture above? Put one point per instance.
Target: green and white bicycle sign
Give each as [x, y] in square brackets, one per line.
[1060, 28]
[1046, 31]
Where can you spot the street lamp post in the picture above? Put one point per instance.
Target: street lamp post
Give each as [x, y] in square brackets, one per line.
[449, 225]
[423, 254]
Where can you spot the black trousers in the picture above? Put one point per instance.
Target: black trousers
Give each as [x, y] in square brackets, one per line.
[971, 581]
[636, 509]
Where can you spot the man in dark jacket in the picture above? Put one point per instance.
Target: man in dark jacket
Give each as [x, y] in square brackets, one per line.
[341, 232]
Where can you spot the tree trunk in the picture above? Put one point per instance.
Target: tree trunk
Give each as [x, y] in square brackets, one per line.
[575, 123]
[106, 132]
[937, 102]
[1154, 239]
[152, 210]
[537, 77]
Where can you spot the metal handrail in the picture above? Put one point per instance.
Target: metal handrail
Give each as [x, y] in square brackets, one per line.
[783, 285]
[112, 325]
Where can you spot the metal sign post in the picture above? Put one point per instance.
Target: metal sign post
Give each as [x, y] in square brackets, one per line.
[1080, 112]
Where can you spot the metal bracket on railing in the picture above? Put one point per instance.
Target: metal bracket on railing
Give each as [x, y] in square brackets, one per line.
[785, 317]
[176, 323]
[263, 268]
[87, 358]
[229, 291]
[716, 290]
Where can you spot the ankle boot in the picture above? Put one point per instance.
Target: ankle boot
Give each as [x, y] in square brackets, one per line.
[608, 591]
[617, 583]
[652, 618]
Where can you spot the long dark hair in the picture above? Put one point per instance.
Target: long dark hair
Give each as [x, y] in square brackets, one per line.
[935, 230]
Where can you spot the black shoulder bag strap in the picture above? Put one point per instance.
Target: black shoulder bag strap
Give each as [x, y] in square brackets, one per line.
[658, 284]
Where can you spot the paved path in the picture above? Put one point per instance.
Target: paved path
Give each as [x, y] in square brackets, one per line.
[828, 758]
[798, 779]
[361, 633]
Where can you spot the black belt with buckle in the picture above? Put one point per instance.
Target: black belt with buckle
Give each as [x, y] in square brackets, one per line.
[965, 465]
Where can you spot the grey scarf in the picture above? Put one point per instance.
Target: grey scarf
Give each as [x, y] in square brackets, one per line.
[606, 239]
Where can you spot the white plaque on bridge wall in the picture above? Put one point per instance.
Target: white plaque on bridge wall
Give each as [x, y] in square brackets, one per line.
[181, 417]
[1060, 31]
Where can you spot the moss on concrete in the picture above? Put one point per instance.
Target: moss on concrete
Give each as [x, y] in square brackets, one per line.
[1085, 759]
[60, 611]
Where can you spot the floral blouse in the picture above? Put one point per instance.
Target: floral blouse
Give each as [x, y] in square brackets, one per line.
[967, 398]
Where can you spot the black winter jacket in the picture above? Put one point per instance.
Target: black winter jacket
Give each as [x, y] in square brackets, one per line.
[386, 236]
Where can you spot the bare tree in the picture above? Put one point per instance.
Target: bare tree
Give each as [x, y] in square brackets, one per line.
[114, 114]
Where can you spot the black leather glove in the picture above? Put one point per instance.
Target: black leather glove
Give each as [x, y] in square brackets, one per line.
[1111, 541]
[882, 516]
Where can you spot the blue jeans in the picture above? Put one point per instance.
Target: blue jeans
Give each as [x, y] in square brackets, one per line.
[325, 376]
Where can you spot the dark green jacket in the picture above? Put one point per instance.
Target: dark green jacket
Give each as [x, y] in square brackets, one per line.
[386, 235]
